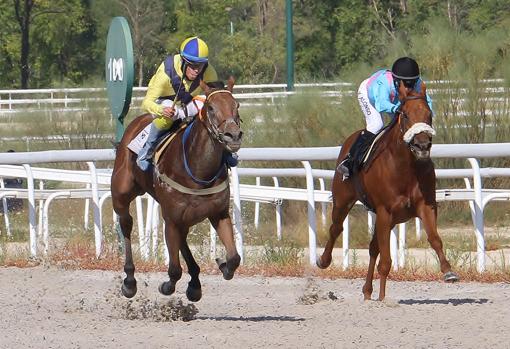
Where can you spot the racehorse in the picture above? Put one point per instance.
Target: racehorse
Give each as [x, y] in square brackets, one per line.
[190, 182]
[397, 182]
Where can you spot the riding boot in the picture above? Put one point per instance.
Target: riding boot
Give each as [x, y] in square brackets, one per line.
[354, 157]
[231, 159]
[144, 156]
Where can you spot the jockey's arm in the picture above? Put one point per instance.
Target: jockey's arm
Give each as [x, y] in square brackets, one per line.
[193, 108]
[383, 104]
[159, 85]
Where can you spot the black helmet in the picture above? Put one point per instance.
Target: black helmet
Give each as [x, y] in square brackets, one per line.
[405, 68]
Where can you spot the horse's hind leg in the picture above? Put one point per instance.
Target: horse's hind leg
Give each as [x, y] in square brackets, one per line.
[429, 218]
[126, 225]
[173, 238]
[343, 200]
[194, 290]
[223, 226]
[374, 252]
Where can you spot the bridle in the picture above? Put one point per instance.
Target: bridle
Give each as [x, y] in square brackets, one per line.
[416, 128]
[212, 128]
[214, 132]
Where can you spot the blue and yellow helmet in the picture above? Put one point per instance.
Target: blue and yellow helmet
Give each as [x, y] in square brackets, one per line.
[194, 50]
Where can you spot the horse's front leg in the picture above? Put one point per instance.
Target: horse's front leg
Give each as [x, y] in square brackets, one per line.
[173, 242]
[373, 252]
[194, 290]
[382, 229]
[428, 215]
[128, 287]
[223, 226]
[344, 199]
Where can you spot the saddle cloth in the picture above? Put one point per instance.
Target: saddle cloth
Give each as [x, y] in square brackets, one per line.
[139, 141]
[372, 146]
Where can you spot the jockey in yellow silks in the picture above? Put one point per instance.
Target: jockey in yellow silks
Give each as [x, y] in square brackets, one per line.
[171, 91]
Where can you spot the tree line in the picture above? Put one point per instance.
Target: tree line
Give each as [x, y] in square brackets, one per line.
[61, 43]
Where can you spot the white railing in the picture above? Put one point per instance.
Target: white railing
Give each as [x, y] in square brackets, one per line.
[99, 180]
[70, 99]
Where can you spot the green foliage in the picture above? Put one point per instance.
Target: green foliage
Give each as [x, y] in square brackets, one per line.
[281, 253]
[247, 38]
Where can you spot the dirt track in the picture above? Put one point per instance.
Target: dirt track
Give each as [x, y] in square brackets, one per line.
[52, 308]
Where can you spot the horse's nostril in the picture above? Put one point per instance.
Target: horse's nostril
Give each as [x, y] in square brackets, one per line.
[233, 136]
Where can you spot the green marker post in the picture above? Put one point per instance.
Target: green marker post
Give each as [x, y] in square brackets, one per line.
[119, 71]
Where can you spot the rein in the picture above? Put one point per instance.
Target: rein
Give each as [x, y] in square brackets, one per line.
[186, 165]
[213, 131]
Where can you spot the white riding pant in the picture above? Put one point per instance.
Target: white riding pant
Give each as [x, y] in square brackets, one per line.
[372, 116]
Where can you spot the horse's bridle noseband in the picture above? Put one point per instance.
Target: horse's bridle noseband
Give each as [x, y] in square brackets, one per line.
[212, 128]
[415, 128]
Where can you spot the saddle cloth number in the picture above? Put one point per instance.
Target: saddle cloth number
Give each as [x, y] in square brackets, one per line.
[139, 141]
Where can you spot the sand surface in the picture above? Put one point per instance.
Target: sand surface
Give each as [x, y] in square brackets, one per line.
[47, 307]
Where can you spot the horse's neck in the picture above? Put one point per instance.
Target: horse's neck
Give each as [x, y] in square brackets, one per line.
[398, 147]
[204, 154]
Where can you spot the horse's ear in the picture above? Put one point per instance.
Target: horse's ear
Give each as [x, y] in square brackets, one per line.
[205, 88]
[402, 91]
[230, 83]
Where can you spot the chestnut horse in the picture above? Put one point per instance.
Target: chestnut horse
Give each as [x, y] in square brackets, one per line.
[190, 182]
[397, 183]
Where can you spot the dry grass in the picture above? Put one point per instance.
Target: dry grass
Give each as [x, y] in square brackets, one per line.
[79, 254]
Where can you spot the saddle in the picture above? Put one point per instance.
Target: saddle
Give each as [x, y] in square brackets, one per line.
[373, 150]
[139, 141]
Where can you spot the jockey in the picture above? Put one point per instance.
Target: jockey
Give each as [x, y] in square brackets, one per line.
[379, 94]
[171, 91]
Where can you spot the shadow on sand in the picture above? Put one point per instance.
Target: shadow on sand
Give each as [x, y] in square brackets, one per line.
[251, 318]
[453, 301]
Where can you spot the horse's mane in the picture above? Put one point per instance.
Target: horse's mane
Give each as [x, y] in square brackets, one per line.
[217, 85]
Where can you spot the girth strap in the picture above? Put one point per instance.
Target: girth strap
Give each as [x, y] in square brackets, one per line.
[185, 190]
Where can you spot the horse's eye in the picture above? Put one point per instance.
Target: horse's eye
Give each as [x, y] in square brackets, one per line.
[210, 109]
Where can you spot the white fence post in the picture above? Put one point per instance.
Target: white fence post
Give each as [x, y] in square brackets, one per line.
[278, 212]
[238, 222]
[31, 211]
[479, 229]
[312, 226]
[98, 234]
[257, 207]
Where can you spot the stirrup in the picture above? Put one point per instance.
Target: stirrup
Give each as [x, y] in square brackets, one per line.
[343, 169]
[144, 161]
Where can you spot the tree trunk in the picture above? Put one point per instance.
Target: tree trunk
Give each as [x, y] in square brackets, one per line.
[403, 6]
[23, 19]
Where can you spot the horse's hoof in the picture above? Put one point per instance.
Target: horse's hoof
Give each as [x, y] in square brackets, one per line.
[128, 292]
[318, 261]
[166, 288]
[450, 276]
[194, 294]
[321, 265]
[222, 265]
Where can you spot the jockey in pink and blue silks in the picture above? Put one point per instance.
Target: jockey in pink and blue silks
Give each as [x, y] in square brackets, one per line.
[379, 94]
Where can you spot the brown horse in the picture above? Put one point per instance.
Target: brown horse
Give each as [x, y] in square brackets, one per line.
[398, 183]
[190, 182]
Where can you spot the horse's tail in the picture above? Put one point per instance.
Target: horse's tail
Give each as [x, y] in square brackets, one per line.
[115, 144]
